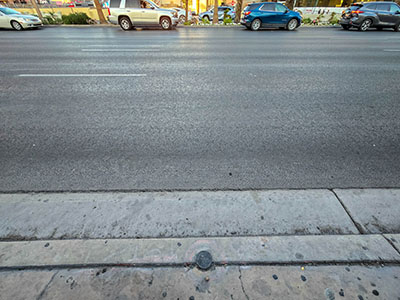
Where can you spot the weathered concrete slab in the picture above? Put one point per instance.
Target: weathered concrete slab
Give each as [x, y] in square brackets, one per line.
[233, 250]
[394, 240]
[171, 214]
[232, 282]
[375, 210]
[324, 282]
[24, 285]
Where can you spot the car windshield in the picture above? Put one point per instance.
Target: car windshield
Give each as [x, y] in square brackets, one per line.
[9, 11]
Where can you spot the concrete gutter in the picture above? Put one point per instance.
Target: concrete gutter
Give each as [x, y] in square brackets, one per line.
[328, 249]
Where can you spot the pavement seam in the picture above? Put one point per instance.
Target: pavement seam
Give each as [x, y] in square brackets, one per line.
[356, 224]
[390, 242]
[241, 284]
[193, 265]
[245, 189]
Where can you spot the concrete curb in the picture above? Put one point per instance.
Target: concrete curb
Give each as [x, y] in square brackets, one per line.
[178, 252]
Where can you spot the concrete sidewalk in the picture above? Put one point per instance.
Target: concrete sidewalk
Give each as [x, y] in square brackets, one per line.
[277, 244]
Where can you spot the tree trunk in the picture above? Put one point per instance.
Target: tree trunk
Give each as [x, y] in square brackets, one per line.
[290, 4]
[215, 16]
[187, 10]
[100, 12]
[36, 6]
[346, 3]
[238, 11]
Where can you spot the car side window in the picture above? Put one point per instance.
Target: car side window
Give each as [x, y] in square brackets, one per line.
[383, 7]
[280, 8]
[131, 3]
[268, 7]
[371, 6]
[394, 8]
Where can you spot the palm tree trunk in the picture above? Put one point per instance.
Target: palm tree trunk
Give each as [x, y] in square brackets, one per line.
[100, 12]
[238, 10]
[36, 6]
[187, 10]
[290, 4]
[215, 16]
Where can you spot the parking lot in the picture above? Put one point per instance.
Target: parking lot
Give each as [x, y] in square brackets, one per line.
[97, 108]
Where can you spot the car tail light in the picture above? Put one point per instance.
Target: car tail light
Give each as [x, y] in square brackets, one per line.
[247, 13]
[356, 12]
[109, 12]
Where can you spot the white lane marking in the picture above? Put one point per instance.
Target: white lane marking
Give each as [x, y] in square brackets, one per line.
[132, 46]
[391, 50]
[120, 50]
[82, 75]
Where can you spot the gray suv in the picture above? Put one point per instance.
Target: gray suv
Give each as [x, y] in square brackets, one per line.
[372, 15]
[141, 13]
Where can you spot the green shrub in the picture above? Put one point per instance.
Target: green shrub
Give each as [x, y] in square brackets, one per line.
[51, 19]
[76, 18]
[333, 19]
[307, 21]
[206, 21]
[228, 20]
[187, 23]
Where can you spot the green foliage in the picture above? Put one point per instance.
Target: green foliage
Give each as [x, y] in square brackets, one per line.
[307, 21]
[333, 19]
[187, 23]
[205, 21]
[228, 20]
[51, 19]
[76, 18]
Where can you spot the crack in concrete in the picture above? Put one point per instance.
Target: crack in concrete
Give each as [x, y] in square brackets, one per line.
[391, 243]
[358, 226]
[46, 286]
[241, 284]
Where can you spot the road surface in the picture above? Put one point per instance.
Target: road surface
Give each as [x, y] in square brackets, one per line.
[198, 108]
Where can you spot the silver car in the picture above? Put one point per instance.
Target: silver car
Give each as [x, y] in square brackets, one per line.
[141, 13]
[10, 18]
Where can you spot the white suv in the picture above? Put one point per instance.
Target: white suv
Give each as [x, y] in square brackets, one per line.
[141, 13]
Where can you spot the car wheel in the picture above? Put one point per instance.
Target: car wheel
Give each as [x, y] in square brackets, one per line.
[182, 19]
[345, 27]
[255, 25]
[206, 18]
[16, 25]
[292, 24]
[397, 27]
[125, 23]
[365, 25]
[165, 23]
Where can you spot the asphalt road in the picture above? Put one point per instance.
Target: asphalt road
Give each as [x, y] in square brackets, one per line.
[210, 109]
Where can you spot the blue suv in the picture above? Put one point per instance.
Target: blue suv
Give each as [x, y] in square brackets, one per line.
[270, 14]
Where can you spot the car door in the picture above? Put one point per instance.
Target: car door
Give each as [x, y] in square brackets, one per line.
[149, 14]
[383, 13]
[132, 9]
[267, 14]
[281, 17]
[394, 14]
[4, 21]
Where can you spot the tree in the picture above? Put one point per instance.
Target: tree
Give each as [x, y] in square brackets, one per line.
[238, 10]
[290, 4]
[187, 10]
[36, 6]
[100, 12]
[215, 15]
